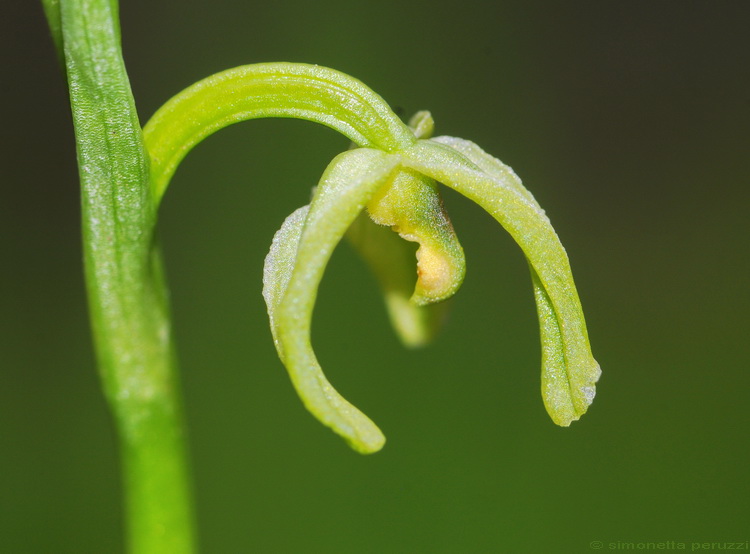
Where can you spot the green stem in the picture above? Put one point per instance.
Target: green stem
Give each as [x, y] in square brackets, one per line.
[280, 89]
[124, 278]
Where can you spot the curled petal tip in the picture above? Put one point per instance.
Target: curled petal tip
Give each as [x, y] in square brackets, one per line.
[566, 405]
[422, 124]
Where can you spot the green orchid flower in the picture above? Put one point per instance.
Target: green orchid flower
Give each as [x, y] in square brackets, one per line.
[388, 182]
[392, 175]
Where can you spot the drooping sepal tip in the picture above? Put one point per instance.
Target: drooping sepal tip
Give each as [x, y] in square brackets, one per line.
[569, 371]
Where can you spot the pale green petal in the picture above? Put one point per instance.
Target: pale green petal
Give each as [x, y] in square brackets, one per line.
[489, 164]
[281, 89]
[279, 264]
[393, 262]
[569, 369]
[555, 389]
[346, 186]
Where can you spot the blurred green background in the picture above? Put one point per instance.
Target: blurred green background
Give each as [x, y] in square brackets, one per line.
[629, 121]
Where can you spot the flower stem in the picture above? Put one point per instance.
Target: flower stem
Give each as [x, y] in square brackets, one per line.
[124, 278]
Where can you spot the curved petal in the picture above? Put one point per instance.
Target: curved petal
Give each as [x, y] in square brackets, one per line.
[489, 164]
[292, 285]
[295, 90]
[569, 369]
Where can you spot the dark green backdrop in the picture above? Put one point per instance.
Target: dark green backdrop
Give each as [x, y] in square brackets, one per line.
[630, 123]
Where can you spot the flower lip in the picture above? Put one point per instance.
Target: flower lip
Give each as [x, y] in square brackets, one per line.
[411, 206]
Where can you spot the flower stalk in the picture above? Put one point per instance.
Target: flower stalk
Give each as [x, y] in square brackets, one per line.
[124, 279]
